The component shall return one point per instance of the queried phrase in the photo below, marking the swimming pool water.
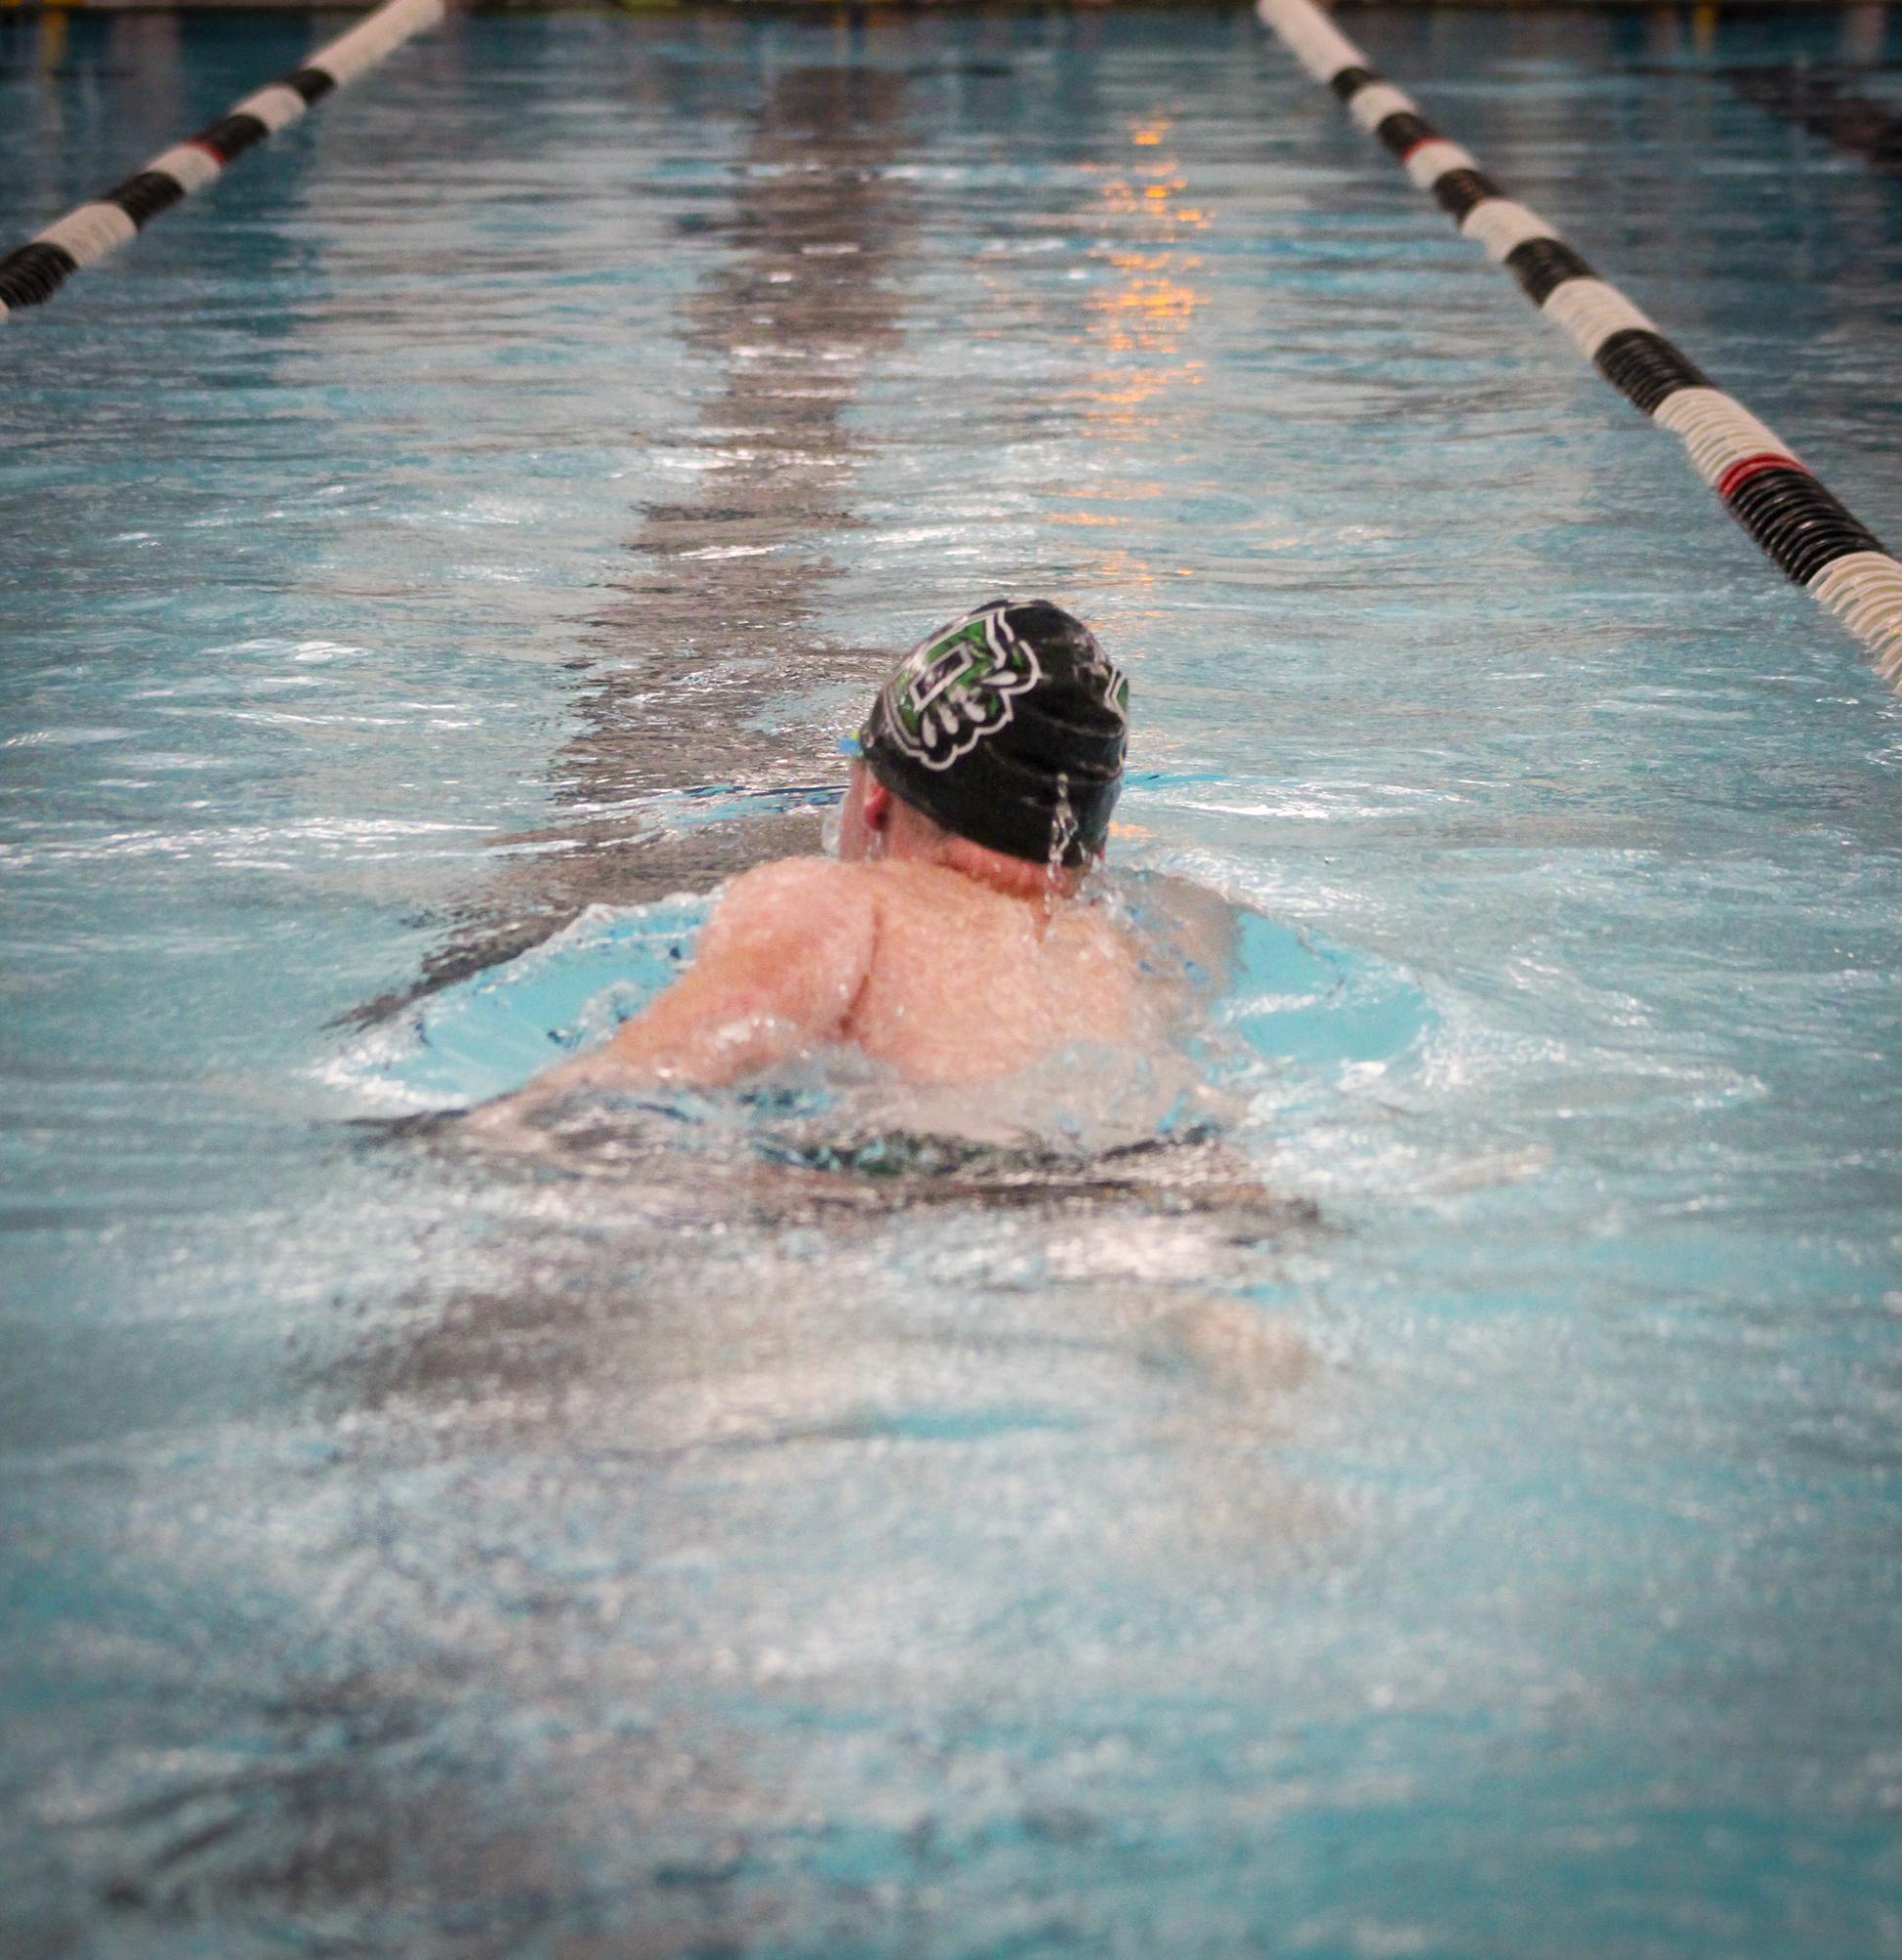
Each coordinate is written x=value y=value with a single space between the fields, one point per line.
x=492 y=500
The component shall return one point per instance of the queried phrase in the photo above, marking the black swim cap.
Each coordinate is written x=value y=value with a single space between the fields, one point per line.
x=1007 y=727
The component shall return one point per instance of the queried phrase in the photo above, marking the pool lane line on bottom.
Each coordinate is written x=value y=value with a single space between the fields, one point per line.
x=1763 y=484
x=31 y=273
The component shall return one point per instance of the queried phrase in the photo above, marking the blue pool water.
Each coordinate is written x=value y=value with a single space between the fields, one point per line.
x=478 y=518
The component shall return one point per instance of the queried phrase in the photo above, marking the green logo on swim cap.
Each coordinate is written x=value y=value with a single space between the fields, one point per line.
x=952 y=691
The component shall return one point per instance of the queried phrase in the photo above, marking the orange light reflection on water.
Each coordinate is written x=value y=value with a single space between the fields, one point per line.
x=1139 y=322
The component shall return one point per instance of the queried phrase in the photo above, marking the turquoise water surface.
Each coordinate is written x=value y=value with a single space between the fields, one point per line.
x=469 y=527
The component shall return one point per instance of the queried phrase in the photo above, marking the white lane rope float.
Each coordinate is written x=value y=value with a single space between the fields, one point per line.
x=1764 y=486
x=34 y=271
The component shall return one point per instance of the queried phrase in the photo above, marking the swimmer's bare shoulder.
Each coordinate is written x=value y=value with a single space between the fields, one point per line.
x=780 y=962
x=779 y=965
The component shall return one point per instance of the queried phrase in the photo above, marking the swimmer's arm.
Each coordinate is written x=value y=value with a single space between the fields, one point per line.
x=778 y=969
x=781 y=963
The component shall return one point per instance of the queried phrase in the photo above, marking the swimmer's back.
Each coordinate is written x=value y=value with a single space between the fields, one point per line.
x=943 y=978
x=966 y=983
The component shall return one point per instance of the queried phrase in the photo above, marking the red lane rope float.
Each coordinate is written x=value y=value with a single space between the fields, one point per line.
x=1775 y=497
x=34 y=271
x=1740 y=473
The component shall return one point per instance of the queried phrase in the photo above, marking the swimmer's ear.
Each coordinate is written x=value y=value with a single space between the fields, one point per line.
x=877 y=805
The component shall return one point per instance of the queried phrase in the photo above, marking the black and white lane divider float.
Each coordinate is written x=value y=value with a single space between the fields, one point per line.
x=1772 y=494
x=37 y=269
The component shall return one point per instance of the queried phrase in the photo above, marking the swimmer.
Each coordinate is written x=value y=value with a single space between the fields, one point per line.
x=948 y=940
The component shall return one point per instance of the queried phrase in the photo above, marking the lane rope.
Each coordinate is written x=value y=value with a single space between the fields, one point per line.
x=31 y=273
x=1763 y=484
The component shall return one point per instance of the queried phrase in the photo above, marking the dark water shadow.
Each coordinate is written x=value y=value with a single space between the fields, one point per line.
x=712 y=623
x=1825 y=102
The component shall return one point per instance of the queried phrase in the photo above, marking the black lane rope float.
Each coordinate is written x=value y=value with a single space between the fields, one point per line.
x=34 y=271
x=1764 y=486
